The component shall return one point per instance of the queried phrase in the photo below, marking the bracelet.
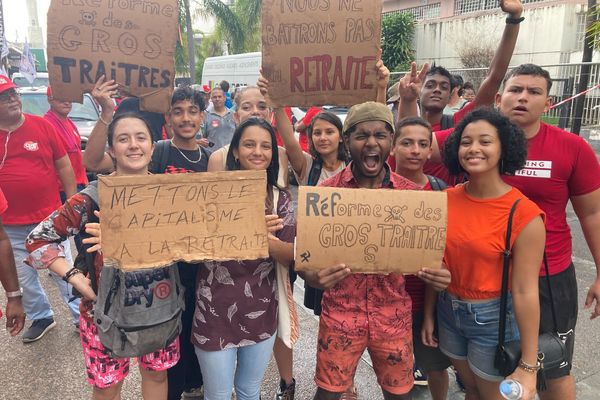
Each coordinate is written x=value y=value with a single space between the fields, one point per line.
x=514 y=21
x=103 y=121
x=16 y=293
x=532 y=369
x=70 y=274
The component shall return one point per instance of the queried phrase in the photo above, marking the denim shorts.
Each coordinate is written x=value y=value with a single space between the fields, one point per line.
x=469 y=331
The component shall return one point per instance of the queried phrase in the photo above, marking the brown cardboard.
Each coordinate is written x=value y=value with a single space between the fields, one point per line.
x=320 y=52
x=126 y=40
x=371 y=231
x=152 y=220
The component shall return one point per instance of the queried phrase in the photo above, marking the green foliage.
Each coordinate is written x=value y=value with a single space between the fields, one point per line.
x=397 y=32
x=593 y=30
x=237 y=25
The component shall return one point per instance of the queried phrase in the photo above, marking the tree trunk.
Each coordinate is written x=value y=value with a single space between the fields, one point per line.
x=190 y=41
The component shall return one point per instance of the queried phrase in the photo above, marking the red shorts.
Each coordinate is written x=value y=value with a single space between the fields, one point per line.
x=104 y=371
x=338 y=355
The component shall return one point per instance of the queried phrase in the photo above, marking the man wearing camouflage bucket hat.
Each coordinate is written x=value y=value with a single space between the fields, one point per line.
x=379 y=317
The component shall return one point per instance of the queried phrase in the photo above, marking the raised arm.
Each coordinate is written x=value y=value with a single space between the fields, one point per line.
x=489 y=87
x=383 y=78
x=409 y=88
x=94 y=157
x=286 y=131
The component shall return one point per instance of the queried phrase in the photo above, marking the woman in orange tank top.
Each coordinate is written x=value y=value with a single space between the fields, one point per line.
x=486 y=145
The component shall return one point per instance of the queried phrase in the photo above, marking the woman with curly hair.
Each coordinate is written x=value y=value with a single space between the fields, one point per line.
x=486 y=145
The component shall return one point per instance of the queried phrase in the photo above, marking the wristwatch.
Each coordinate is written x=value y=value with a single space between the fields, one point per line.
x=16 y=293
x=514 y=21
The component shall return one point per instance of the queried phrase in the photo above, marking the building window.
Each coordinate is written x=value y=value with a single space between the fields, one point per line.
x=580 y=30
x=469 y=6
x=428 y=11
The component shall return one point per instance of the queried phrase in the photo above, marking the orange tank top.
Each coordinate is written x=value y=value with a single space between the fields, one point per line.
x=475 y=240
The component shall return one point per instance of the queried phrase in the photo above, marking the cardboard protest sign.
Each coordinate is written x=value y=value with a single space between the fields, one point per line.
x=153 y=220
x=371 y=231
x=320 y=52
x=129 y=41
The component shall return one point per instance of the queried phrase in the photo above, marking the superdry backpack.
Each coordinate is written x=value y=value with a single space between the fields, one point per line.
x=137 y=312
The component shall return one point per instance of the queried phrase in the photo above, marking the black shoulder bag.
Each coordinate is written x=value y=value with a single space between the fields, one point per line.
x=552 y=351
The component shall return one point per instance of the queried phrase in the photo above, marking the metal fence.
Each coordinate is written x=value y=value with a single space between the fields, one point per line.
x=565 y=78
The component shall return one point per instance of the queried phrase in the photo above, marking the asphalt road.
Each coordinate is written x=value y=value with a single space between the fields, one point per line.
x=53 y=367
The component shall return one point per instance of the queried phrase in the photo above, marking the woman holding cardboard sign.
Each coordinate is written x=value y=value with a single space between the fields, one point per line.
x=130 y=146
x=235 y=321
x=486 y=145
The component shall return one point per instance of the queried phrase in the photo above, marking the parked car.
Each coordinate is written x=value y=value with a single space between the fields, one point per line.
x=41 y=79
x=85 y=115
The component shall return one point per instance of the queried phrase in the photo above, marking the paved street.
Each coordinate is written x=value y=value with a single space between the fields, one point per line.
x=52 y=368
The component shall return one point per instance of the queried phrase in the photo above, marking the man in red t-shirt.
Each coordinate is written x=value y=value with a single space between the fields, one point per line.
x=15 y=316
x=560 y=167
x=31 y=158
x=58 y=117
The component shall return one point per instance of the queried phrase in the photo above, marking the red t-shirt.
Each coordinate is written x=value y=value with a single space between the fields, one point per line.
x=28 y=176
x=439 y=169
x=68 y=133
x=559 y=165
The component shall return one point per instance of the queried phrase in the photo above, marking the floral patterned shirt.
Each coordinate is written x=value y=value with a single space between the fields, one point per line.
x=373 y=305
x=236 y=303
x=44 y=241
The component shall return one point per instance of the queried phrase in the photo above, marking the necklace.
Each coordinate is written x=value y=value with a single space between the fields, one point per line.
x=184 y=156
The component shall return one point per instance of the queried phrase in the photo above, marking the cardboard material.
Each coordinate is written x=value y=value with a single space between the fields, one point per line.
x=320 y=52
x=371 y=231
x=153 y=220
x=126 y=40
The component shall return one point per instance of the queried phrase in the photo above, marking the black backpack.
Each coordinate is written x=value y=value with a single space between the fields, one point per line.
x=447 y=122
x=436 y=183
x=160 y=156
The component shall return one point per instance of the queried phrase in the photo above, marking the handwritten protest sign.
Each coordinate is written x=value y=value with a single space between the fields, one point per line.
x=319 y=52
x=372 y=231
x=129 y=41
x=149 y=221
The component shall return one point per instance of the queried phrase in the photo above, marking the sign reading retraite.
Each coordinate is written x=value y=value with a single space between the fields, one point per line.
x=129 y=41
x=371 y=231
x=320 y=52
x=152 y=220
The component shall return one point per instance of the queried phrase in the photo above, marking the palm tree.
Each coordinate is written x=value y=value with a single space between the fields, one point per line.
x=238 y=25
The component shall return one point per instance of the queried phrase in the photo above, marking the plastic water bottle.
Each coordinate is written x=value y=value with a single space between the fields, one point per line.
x=511 y=389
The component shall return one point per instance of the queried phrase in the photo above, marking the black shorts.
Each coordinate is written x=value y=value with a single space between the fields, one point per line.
x=564 y=292
x=427 y=358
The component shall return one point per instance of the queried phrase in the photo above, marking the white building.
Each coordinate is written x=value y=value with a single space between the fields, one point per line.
x=552 y=33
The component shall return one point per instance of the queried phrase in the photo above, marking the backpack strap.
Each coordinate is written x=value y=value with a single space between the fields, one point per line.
x=315 y=172
x=91 y=191
x=447 y=122
x=436 y=183
x=160 y=156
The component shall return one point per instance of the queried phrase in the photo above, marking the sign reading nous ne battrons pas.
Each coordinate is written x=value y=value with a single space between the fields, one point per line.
x=320 y=52
x=129 y=41
x=370 y=230
x=152 y=220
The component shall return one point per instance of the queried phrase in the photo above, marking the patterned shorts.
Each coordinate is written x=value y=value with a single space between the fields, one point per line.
x=338 y=355
x=104 y=371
